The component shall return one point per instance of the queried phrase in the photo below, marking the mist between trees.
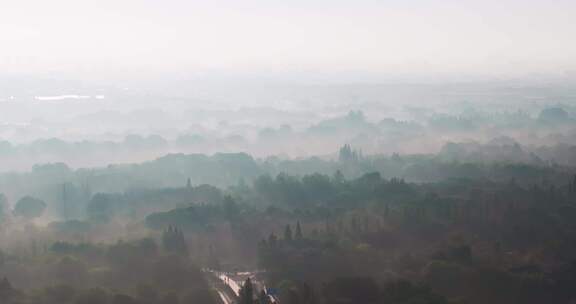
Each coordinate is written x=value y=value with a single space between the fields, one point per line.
x=355 y=229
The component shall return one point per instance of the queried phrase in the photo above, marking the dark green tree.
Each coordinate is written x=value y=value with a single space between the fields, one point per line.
x=173 y=241
x=101 y=207
x=247 y=293
x=288 y=234
x=3 y=208
x=572 y=185
x=29 y=207
x=298 y=236
x=7 y=292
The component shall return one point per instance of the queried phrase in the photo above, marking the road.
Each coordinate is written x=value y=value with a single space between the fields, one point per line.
x=228 y=285
x=225 y=298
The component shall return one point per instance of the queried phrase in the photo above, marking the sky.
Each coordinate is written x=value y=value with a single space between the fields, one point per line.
x=414 y=37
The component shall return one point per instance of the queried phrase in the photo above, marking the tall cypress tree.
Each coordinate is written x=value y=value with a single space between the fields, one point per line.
x=246 y=293
x=288 y=233
x=298 y=235
x=173 y=241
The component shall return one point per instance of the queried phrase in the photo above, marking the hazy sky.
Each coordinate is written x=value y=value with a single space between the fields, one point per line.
x=388 y=36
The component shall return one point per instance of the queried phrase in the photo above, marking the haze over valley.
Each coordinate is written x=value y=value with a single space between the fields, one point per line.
x=302 y=152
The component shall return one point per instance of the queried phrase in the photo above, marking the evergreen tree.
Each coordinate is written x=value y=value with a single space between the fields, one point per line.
x=288 y=233
x=5 y=285
x=298 y=236
x=246 y=293
x=173 y=241
x=7 y=292
x=347 y=154
x=3 y=208
x=572 y=185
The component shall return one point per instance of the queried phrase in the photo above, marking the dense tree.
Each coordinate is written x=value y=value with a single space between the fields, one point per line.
x=298 y=236
x=473 y=231
x=29 y=207
x=173 y=241
x=4 y=209
x=101 y=207
x=7 y=292
x=288 y=234
x=347 y=154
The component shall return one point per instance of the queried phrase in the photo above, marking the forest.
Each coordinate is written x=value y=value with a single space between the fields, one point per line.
x=354 y=229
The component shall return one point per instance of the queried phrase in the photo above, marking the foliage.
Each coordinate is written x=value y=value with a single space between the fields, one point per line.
x=29 y=207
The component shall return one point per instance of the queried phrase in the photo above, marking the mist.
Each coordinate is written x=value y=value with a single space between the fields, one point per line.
x=310 y=152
